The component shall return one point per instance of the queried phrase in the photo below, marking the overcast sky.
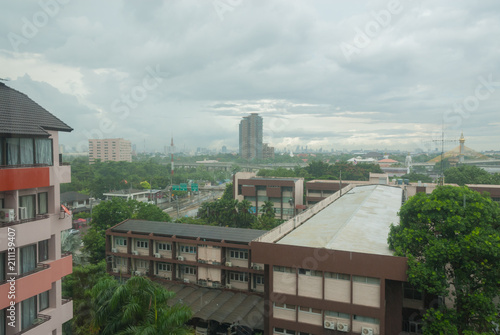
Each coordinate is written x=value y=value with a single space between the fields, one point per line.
x=330 y=74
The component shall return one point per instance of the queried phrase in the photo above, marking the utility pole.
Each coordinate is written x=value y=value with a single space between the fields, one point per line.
x=442 y=140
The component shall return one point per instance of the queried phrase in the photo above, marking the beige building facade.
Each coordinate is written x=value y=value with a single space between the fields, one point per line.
x=110 y=149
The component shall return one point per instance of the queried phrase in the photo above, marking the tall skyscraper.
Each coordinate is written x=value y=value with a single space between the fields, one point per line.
x=251 y=137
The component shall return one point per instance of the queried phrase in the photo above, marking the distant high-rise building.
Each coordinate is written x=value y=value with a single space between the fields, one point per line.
x=114 y=149
x=251 y=137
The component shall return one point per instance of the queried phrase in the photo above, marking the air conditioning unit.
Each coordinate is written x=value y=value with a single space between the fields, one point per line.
x=343 y=327
x=157 y=255
x=7 y=214
x=135 y=252
x=256 y=267
x=23 y=213
x=115 y=270
x=180 y=258
x=167 y=278
x=228 y=286
x=229 y=264
x=138 y=273
x=329 y=324
x=366 y=331
x=114 y=250
x=186 y=280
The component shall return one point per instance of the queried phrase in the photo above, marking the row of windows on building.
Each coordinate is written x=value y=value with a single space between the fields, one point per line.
x=25 y=151
x=160 y=246
x=327 y=313
x=332 y=275
x=31 y=205
x=29 y=310
x=189 y=270
x=29 y=255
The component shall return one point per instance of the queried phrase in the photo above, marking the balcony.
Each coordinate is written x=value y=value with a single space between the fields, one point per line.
x=40 y=319
x=24 y=177
x=13 y=223
x=37 y=281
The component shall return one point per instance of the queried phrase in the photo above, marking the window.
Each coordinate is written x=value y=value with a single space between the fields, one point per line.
x=43 y=250
x=242 y=254
x=120 y=261
x=339 y=276
x=164 y=267
x=190 y=270
x=28 y=258
x=43 y=300
x=337 y=315
x=285 y=306
x=2 y=318
x=284 y=331
x=43 y=148
x=310 y=273
x=366 y=319
x=310 y=310
x=141 y=264
x=2 y=267
x=28 y=312
x=120 y=241
x=188 y=249
x=283 y=269
x=26 y=151
x=144 y=244
x=238 y=276
x=366 y=280
x=259 y=280
x=163 y=247
x=411 y=293
x=43 y=203
x=27 y=207
x=12 y=146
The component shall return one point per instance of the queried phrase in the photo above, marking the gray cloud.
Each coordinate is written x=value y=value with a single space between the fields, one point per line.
x=279 y=58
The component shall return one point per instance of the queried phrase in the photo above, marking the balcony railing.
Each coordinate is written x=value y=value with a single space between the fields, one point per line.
x=40 y=318
x=39 y=267
x=16 y=222
x=24 y=166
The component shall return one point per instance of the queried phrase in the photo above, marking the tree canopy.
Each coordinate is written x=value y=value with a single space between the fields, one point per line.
x=111 y=212
x=138 y=306
x=452 y=240
x=470 y=174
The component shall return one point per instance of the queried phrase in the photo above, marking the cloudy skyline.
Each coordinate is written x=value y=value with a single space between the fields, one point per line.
x=331 y=74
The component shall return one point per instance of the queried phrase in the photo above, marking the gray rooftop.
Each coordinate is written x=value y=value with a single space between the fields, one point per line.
x=189 y=230
x=19 y=115
x=73 y=196
x=358 y=221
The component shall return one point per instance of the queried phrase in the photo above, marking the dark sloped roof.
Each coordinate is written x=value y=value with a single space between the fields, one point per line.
x=222 y=306
x=19 y=115
x=188 y=230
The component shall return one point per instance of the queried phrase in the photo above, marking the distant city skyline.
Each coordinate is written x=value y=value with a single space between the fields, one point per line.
x=330 y=74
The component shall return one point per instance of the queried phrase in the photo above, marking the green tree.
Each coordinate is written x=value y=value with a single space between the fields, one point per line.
x=138 y=306
x=415 y=177
x=111 y=212
x=468 y=174
x=452 y=240
x=245 y=218
x=228 y=192
x=77 y=285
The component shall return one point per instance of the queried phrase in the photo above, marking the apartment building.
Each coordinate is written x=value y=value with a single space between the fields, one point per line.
x=209 y=263
x=110 y=149
x=330 y=269
x=31 y=221
x=286 y=194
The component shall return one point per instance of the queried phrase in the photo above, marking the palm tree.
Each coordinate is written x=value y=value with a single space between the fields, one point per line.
x=138 y=306
x=245 y=218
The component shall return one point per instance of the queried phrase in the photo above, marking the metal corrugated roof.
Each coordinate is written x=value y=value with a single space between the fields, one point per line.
x=189 y=230
x=221 y=306
x=19 y=115
x=223 y=311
